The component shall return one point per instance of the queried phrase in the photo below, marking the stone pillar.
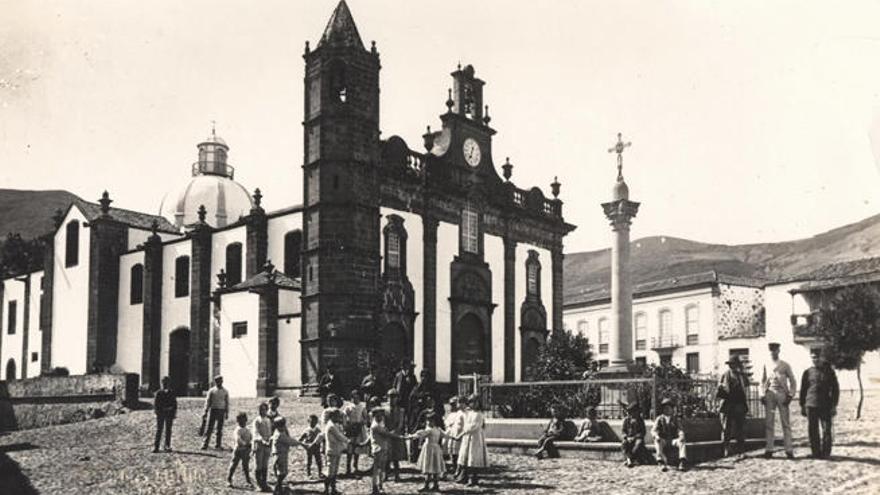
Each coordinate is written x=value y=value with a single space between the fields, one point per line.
x=429 y=291
x=108 y=239
x=509 y=310
x=620 y=213
x=557 y=259
x=46 y=302
x=257 y=248
x=152 y=313
x=200 y=306
x=267 y=342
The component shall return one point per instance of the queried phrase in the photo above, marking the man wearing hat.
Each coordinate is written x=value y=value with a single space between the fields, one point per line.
x=779 y=389
x=404 y=383
x=633 y=444
x=819 y=395
x=329 y=384
x=669 y=437
x=731 y=392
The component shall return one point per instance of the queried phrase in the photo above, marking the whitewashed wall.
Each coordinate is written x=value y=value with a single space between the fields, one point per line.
x=277 y=228
x=238 y=356
x=175 y=310
x=13 y=290
x=493 y=253
x=415 y=270
x=130 y=322
x=289 y=351
x=70 y=299
x=447 y=248
x=219 y=242
x=35 y=333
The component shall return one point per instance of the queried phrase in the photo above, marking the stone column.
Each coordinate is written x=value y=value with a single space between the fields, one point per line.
x=46 y=301
x=267 y=341
x=509 y=310
x=620 y=213
x=152 y=312
x=429 y=291
x=257 y=247
x=200 y=305
x=557 y=259
x=108 y=239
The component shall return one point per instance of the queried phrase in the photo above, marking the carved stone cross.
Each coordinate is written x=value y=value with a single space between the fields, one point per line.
x=618 y=148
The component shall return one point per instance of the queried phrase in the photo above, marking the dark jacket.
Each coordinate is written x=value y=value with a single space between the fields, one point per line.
x=732 y=389
x=819 y=388
x=330 y=384
x=165 y=403
x=404 y=383
x=634 y=427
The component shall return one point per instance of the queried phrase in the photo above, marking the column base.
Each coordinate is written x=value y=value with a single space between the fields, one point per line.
x=619 y=369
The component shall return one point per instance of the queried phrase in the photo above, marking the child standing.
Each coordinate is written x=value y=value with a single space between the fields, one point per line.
x=312 y=439
x=262 y=446
x=589 y=430
x=273 y=413
x=281 y=443
x=633 y=444
x=669 y=438
x=454 y=422
x=431 y=457
x=242 y=451
x=552 y=433
x=334 y=444
x=396 y=423
x=356 y=420
x=380 y=447
x=472 y=454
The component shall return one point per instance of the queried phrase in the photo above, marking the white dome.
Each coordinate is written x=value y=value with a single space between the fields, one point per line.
x=225 y=201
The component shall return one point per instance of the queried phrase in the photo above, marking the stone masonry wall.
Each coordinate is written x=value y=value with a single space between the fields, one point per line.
x=739 y=312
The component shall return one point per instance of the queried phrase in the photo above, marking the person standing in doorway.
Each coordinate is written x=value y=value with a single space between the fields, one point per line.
x=732 y=389
x=820 y=393
x=329 y=384
x=165 y=406
x=217 y=410
x=778 y=392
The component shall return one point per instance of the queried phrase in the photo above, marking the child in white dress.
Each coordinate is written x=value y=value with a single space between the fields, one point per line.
x=431 y=457
x=472 y=455
x=454 y=422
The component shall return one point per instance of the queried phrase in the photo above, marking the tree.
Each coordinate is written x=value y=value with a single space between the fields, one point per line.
x=850 y=327
x=18 y=256
x=565 y=356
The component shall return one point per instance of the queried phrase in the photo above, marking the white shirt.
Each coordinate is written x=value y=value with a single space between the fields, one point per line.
x=781 y=380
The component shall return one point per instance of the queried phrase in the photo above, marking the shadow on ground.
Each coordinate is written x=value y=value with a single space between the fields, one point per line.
x=12 y=479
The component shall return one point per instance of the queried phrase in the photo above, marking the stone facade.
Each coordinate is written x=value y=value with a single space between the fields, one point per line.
x=739 y=312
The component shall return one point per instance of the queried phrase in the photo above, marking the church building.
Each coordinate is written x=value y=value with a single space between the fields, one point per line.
x=389 y=253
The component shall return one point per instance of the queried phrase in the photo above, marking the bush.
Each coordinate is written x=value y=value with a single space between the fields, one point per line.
x=58 y=371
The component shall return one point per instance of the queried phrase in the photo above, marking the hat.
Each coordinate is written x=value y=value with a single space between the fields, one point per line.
x=816 y=351
x=734 y=360
x=393 y=391
x=279 y=421
x=773 y=346
x=667 y=402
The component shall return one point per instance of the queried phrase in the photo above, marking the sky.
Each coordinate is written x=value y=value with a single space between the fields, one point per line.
x=751 y=121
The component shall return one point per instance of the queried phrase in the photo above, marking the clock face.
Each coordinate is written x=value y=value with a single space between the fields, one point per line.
x=471 y=151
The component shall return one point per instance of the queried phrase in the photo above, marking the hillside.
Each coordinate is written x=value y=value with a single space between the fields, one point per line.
x=655 y=258
x=29 y=213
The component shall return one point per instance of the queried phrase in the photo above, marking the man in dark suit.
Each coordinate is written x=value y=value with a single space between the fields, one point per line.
x=329 y=384
x=733 y=392
x=165 y=407
x=820 y=393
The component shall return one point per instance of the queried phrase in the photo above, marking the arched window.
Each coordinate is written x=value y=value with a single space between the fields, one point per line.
x=692 y=324
x=603 y=335
x=641 y=331
x=71 y=247
x=664 y=328
x=583 y=327
x=533 y=275
x=470 y=230
x=181 y=276
x=233 y=264
x=292 y=253
x=136 y=289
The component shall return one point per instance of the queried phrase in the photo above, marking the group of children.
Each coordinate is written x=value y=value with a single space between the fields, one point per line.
x=355 y=428
x=666 y=431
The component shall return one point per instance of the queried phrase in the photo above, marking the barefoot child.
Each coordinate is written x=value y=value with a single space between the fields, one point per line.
x=242 y=451
x=281 y=444
x=431 y=457
x=312 y=439
x=335 y=443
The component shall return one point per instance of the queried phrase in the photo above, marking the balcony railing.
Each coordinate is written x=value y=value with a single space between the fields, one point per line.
x=665 y=342
x=804 y=327
x=213 y=168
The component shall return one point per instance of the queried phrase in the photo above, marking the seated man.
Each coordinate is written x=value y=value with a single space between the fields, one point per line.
x=552 y=433
x=589 y=430
x=669 y=438
x=633 y=444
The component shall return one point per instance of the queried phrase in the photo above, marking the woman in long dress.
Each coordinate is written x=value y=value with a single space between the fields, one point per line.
x=472 y=455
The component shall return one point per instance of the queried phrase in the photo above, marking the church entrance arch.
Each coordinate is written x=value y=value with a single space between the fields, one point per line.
x=10 y=370
x=178 y=360
x=469 y=347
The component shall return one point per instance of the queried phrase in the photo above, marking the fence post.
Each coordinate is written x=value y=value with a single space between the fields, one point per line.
x=654 y=396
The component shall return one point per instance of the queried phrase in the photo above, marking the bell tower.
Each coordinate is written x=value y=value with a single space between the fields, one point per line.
x=340 y=262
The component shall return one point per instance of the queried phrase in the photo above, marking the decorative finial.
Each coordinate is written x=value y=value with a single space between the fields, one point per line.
x=449 y=102
x=554 y=187
x=202 y=213
x=154 y=227
x=221 y=279
x=618 y=148
x=269 y=268
x=459 y=65
x=486 y=118
x=258 y=197
x=214 y=128
x=373 y=47
x=508 y=169
x=308 y=48
x=105 y=203
x=429 y=139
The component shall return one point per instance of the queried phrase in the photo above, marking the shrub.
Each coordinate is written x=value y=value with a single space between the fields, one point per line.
x=58 y=371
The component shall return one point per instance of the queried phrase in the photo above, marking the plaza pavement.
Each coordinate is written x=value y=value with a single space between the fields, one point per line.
x=113 y=455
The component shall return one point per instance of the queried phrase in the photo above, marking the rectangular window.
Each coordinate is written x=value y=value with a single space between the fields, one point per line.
x=603 y=336
x=136 y=289
x=532 y=279
x=743 y=356
x=34 y=357
x=71 y=248
x=393 y=250
x=181 y=276
x=239 y=329
x=11 y=318
x=693 y=363
x=641 y=331
x=664 y=330
x=470 y=241
x=692 y=325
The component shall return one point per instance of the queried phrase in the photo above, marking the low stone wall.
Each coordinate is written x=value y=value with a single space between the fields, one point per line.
x=49 y=400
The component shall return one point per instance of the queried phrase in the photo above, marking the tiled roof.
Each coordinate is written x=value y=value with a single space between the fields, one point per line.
x=262 y=279
x=841 y=274
x=603 y=293
x=131 y=218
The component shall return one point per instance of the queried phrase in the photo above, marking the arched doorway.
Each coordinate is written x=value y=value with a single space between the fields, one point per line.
x=469 y=347
x=10 y=370
x=178 y=360
x=529 y=355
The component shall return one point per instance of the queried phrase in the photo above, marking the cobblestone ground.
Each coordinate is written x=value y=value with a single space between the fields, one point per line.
x=112 y=455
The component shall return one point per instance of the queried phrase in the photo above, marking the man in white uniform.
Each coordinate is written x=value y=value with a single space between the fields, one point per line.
x=779 y=390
